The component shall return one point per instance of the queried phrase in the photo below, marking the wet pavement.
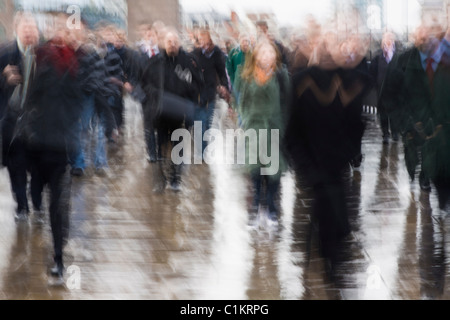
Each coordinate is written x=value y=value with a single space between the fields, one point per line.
x=129 y=242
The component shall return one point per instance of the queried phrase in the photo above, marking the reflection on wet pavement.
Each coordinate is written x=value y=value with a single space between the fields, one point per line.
x=128 y=242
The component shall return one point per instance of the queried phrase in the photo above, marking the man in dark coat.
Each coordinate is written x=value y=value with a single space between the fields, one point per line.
x=172 y=74
x=410 y=85
x=16 y=73
x=149 y=49
x=378 y=69
x=213 y=64
x=436 y=148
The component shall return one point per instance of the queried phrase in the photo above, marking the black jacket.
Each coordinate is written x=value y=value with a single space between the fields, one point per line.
x=94 y=80
x=180 y=75
x=214 y=73
x=53 y=104
x=322 y=126
x=9 y=55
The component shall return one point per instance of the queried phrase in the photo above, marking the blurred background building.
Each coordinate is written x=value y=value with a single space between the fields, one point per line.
x=368 y=17
x=125 y=14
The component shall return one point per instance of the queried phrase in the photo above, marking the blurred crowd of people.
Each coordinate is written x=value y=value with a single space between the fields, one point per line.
x=62 y=100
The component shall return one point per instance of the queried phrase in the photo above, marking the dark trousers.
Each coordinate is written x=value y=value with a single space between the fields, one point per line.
x=118 y=109
x=149 y=130
x=51 y=170
x=388 y=125
x=15 y=159
x=164 y=129
x=442 y=185
x=265 y=187
x=330 y=213
x=17 y=164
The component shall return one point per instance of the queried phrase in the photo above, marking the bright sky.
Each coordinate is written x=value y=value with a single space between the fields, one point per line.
x=287 y=11
x=293 y=11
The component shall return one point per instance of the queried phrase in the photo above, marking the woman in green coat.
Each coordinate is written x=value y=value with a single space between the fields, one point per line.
x=262 y=90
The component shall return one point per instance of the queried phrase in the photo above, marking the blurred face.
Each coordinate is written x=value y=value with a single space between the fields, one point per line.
x=153 y=37
x=172 y=44
x=266 y=56
x=263 y=30
x=62 y=34
x=426 y=41
x=108 y=35
x=27 y=31
x=143 y=32
x=204 y=41
x=245 y=44
x=79 y=36
x=119 y=40
x=388 y=43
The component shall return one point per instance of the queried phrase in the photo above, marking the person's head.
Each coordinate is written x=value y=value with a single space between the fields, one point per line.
x=265 y=56
x=158 y=33
x=143 y=31
x=262 y=27
x=80 y=35
x=120 y=39
x=61 y=33
x=427 y=38
x=205 y=40
x=388 y=41
x=26 y=29
x=108 y=33
x=244 y=42
x=172 y=43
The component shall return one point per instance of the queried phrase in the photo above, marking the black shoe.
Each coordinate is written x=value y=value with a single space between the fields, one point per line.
x=273 y=218
x=425 y=186
x=101 y=172
x=386 y=140
x=175 y=186
x=77 y=172
x=151 y=159
x=356 y=161
x=395 y=137
x=57 y=270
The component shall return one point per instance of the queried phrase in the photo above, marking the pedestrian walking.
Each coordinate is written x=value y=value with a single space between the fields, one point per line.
x=172 y=82
x=212 y=62
x=51 y=110
x=321 y=135
x=17 y=66
x=264 y=88
x=378 y=68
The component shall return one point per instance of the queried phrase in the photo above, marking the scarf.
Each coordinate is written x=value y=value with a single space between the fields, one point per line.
x=62 y=58
x=262 y=75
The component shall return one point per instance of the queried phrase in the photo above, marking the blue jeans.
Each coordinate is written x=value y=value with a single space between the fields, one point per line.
x=205 y=115
x=77 y=141
x=100 y=157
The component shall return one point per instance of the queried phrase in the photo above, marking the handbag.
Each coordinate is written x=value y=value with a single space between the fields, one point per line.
x=175 y=108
